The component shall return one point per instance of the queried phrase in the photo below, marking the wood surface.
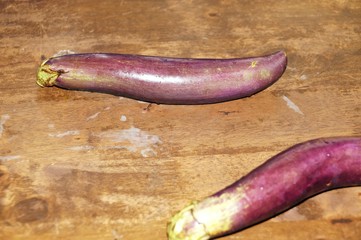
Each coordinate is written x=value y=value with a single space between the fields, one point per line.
x=80 y=165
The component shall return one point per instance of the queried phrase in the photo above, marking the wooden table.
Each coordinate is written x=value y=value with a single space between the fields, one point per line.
x=80 y=165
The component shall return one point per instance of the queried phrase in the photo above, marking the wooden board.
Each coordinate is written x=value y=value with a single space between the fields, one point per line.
x=79 y=165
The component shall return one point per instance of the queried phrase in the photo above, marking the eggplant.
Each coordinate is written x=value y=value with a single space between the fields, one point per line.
x=280 y=183
x=163 y=80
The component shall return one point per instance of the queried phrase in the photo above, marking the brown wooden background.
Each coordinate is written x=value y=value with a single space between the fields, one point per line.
x=79 y=165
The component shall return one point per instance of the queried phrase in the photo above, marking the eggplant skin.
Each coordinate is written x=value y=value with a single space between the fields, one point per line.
x=163 y=80
x=283 y=181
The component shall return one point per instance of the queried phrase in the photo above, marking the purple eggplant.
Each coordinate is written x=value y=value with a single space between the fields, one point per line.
x=161 y=79
x=281 y=182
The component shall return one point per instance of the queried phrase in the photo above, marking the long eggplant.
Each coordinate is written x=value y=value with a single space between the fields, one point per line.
x=281 y=182
x=161 y=79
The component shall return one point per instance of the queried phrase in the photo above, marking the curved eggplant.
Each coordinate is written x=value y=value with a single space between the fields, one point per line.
x=161 y=79
x=281 y=182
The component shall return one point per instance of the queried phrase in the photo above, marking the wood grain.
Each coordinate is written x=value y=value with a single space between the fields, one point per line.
x=78 y=165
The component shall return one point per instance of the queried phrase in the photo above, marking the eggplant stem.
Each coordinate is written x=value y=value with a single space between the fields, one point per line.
x=185 y=219
x=46 y=76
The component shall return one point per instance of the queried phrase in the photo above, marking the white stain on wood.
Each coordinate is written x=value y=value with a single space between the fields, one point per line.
x=116 y=235
x=303 y=77
x=63 y=134
x=63 y=52
x=148 y=152
x=81 y=148
x=3 y=119
x=292 y=105
x=123 y=118
x=132 y=139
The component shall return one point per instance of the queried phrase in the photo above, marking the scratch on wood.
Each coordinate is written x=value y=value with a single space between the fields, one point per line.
x=9 y=158
x=95 y=115
x=227 y=112
x=341 y=220
x=147 y=108
x=292 y=105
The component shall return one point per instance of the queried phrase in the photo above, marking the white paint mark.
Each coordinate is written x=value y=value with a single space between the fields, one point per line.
x=303 y=77
x=116 y=235
x=95 y=115
x=9 y=158
x=107 y=108
x=123 y=118
x=129 y=148
x=3 y=119
x=291 y=68
x=292 y=105
x=63 y=134
x=148 y=152
x=81 y=148
x=132 y=139
x=63 y=52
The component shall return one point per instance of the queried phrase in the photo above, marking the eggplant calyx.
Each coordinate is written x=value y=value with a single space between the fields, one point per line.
x=184 y=226
x=46 y=76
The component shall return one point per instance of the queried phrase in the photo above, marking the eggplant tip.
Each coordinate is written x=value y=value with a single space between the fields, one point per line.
x=46 y=76
x=184 y=226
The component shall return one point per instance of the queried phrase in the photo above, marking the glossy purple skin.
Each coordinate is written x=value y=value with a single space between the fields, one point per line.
x=296 y=174
x=168 y=80
x=283 y=181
